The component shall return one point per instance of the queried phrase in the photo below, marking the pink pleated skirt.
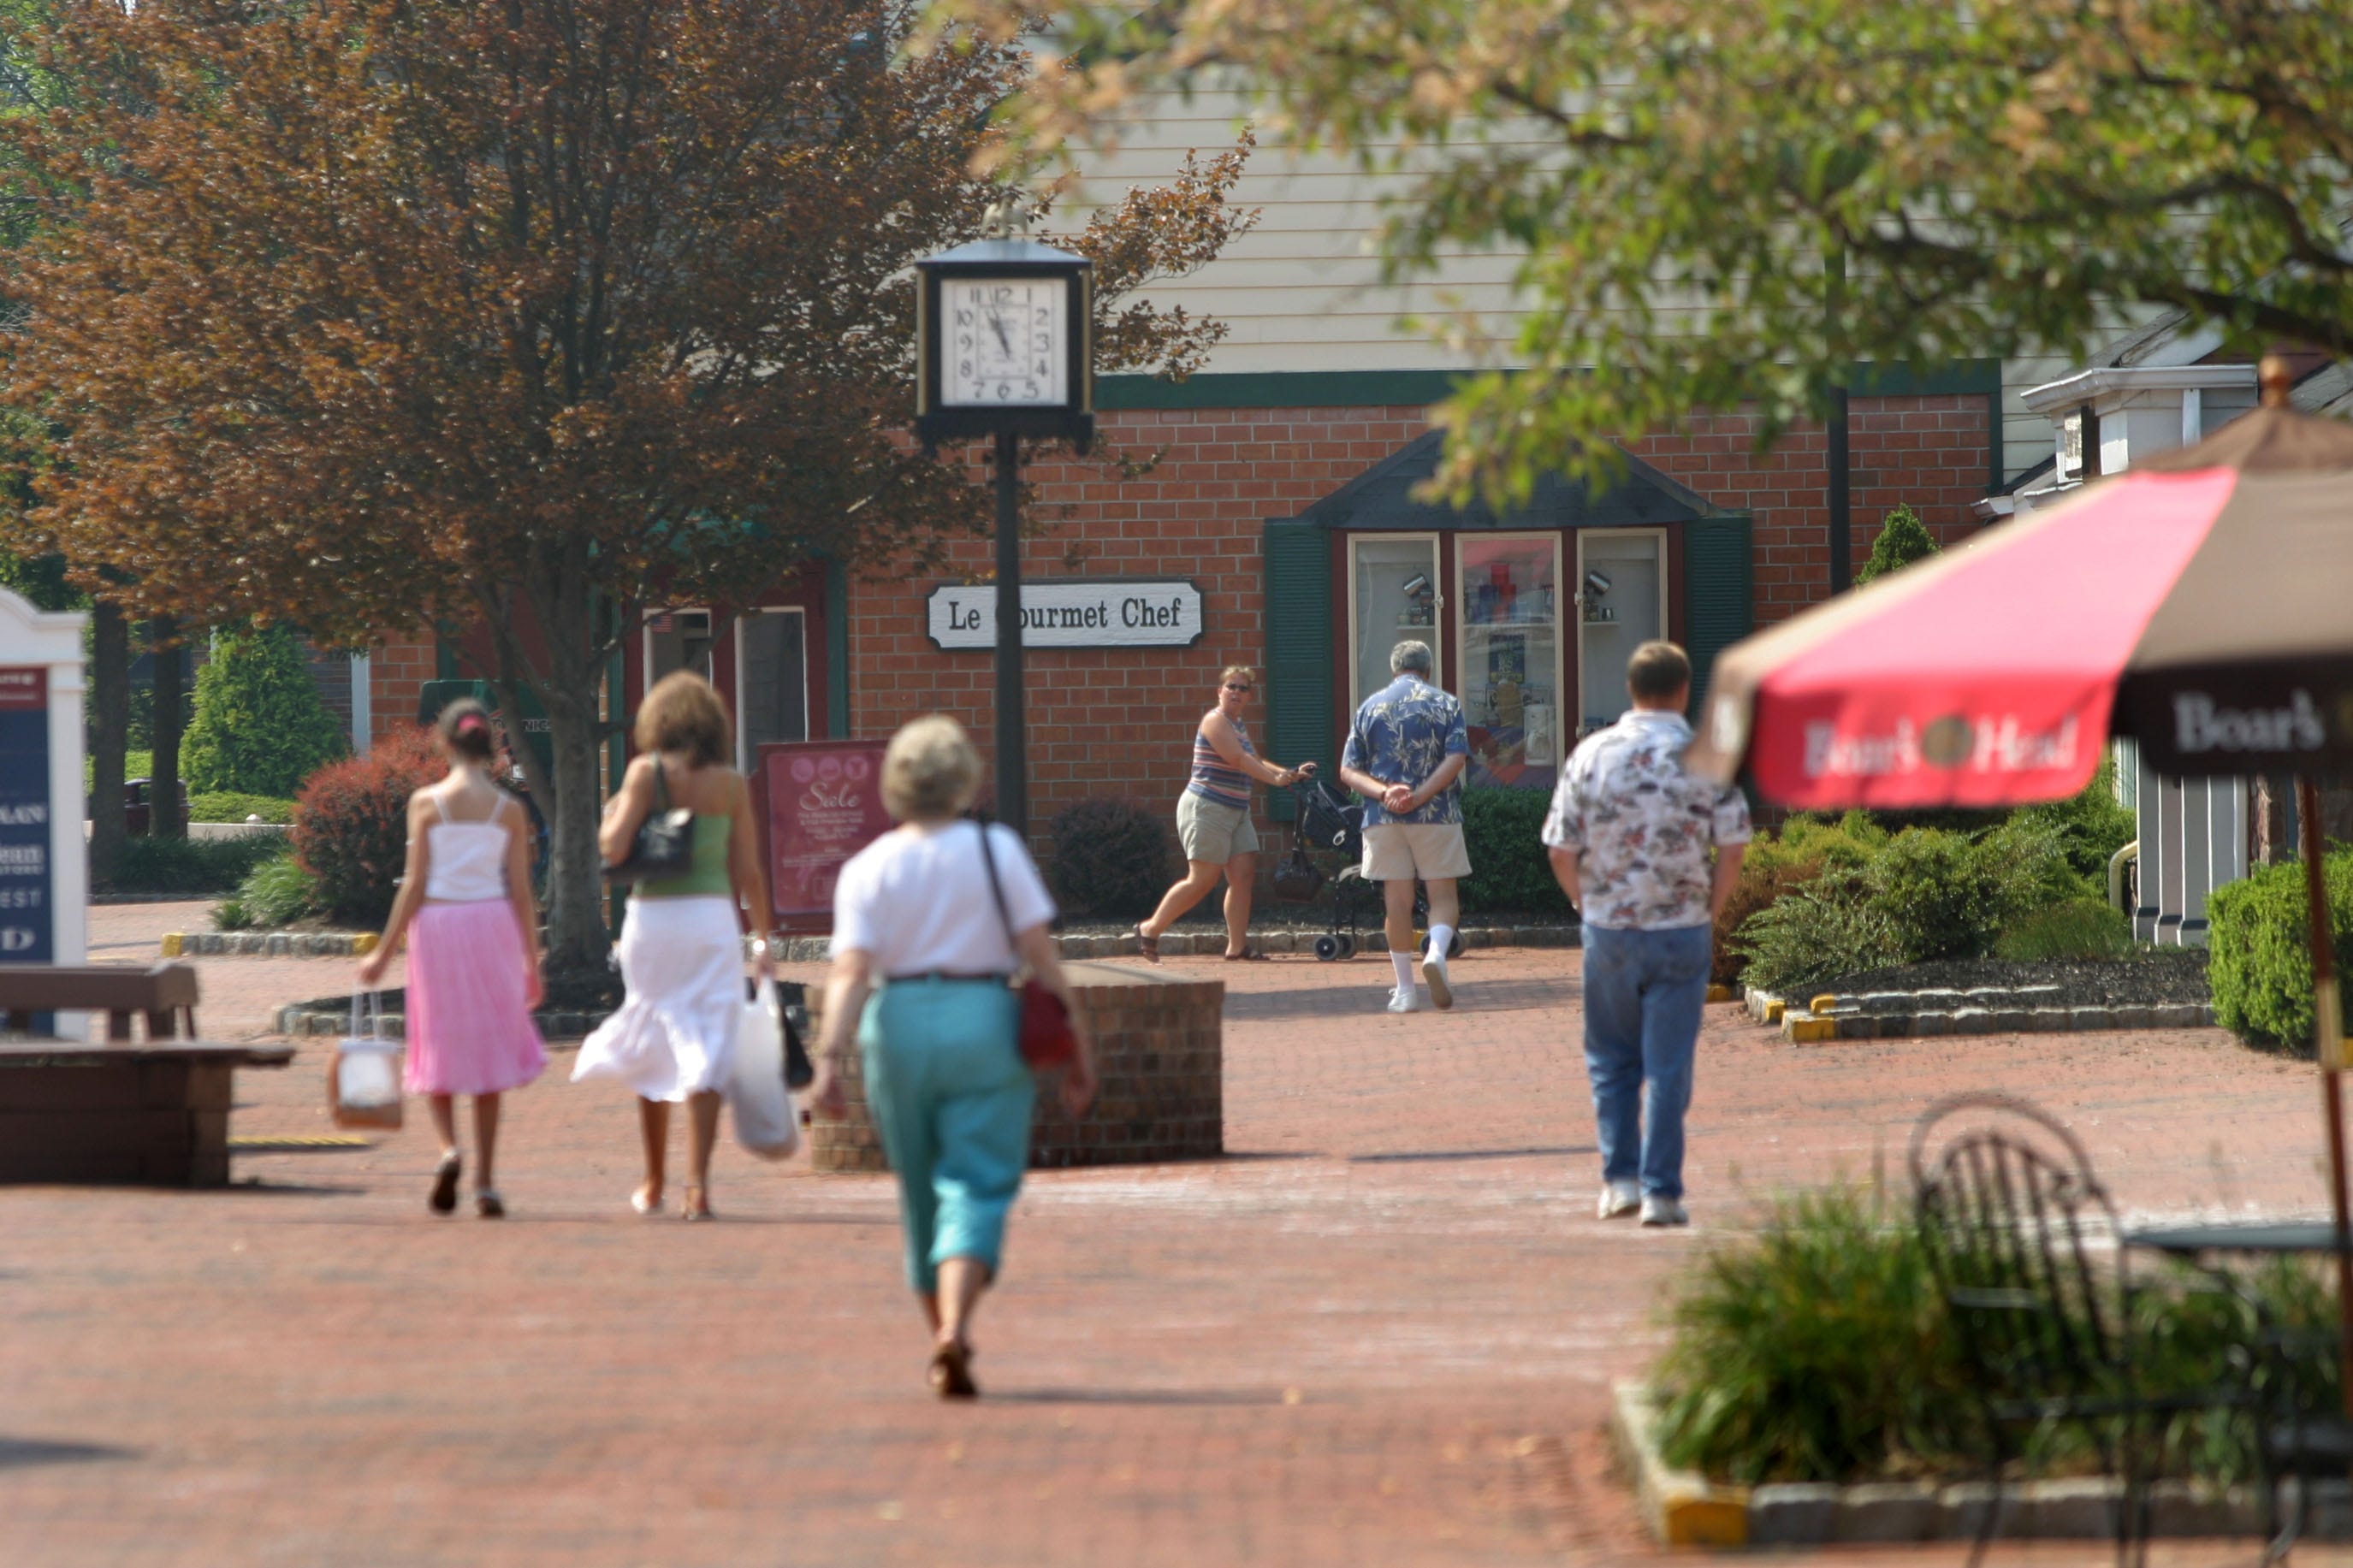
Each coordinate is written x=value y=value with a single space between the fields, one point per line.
x=469 y=1028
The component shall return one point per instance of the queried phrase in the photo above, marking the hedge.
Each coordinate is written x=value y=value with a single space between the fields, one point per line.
x=189 y=865
x=351 y=823
x=227 y=805
x=2260 y=949
x=1112 y=858
x=1510 y=871
x=259 y=725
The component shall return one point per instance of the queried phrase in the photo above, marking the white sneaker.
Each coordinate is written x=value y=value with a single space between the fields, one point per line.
x=1401 y=1000
x=1659 y=1211
x=1619 y=1199
x=1433 y=972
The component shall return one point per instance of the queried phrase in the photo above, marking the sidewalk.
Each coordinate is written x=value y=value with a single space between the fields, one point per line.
x=1380 y=1332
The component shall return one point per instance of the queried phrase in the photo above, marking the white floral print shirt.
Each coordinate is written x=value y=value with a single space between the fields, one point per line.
x=1642 y=826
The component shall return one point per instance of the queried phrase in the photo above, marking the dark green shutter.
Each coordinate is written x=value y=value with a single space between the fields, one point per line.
x=1719 y=608
x=1299 y=638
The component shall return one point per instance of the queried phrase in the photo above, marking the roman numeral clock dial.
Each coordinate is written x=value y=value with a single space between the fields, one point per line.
x=1007 y=343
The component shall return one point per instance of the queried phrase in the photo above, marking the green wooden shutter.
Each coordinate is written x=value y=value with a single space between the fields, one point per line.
x=1299 y=638
x=1719 y=606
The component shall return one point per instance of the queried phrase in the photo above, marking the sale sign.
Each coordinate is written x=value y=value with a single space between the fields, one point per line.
x=824 y=804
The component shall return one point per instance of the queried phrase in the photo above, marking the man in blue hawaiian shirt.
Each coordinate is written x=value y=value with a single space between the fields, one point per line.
x=1405 y=755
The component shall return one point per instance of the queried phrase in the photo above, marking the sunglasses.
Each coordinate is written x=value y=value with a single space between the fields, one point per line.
x=1237 y=686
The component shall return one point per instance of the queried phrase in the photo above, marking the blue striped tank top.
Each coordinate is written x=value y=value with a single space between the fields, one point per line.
x=1214 y=778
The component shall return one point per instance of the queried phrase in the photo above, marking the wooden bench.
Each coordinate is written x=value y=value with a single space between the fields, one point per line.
x=154 y=1113
x=165 y=994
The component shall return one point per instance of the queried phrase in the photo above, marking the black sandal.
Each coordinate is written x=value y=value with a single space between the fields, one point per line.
x=1249 y=955
x=950 y=1374
x=444 y=1196
x=1149 y=945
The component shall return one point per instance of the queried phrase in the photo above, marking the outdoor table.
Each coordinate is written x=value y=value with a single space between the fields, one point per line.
x=2294 y=1235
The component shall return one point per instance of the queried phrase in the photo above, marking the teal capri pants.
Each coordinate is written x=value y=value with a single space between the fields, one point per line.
x=952 y=1097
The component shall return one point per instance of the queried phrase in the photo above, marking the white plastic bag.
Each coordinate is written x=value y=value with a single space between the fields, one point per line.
x=363 y=1078
x=766 y=1122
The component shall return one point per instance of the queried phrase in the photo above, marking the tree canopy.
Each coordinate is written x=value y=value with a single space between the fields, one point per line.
x=1681 y=180
x=532 y=314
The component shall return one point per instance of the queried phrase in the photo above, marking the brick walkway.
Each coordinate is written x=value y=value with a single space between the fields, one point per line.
x=1381 y=1333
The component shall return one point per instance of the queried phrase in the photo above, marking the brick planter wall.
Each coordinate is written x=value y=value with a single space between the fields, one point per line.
x=1161 y=1064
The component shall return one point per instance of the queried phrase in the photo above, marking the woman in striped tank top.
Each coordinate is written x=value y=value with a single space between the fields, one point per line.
x=1213 y=819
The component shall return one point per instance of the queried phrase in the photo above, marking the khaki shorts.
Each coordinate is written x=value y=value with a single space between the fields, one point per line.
x=1211 y=832
x=1432 y=851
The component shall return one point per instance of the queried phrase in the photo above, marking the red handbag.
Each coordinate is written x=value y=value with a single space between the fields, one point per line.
x=1046 y=1039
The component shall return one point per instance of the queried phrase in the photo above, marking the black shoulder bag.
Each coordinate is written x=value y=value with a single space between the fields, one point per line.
x=664 y=846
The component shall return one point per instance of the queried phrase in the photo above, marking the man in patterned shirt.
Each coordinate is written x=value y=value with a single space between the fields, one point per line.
x=1630 y=833
x=1405 y=753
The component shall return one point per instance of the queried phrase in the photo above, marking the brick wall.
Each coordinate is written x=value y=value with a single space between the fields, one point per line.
x=1120 y=721
x=397 y=671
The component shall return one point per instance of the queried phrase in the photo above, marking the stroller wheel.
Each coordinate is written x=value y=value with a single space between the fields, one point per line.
x=1327 y=947
x=1347 y=945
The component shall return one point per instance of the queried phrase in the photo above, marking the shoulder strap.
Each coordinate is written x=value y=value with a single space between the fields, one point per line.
x=661 y=785
x=997 y=889
x=500 y=810
x=439 y=810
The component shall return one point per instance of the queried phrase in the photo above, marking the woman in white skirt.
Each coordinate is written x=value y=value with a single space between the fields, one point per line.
x=682 y=941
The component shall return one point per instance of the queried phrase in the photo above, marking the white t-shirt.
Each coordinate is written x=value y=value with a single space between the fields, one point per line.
x=920 y=901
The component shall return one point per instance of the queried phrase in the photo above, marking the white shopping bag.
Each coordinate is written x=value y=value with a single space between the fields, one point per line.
x=766 y=1122
x=363 y=1076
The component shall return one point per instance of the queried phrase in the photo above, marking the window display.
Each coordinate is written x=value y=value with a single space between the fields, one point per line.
x=1621 y=605
x=1511 y=658
x=1396 y=581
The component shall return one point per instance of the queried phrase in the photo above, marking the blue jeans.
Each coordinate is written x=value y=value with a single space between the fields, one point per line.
x=1643 y=994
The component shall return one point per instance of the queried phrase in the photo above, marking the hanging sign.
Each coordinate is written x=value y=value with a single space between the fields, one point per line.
x=27 y=896
x=1065 y=612
x=824 y=804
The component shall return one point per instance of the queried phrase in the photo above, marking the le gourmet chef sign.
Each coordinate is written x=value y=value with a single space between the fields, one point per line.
x=1073 y=613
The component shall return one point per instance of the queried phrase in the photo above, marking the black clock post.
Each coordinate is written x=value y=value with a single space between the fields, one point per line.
x=1004 y=348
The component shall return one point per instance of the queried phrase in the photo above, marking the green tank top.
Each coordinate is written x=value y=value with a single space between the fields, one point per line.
x=706 y=874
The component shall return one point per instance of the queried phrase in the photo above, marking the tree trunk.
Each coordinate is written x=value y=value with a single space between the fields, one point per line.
x=109 y=709
x=167 y=821
x=577 y=943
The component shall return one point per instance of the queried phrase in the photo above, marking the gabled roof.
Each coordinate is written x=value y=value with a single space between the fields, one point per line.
x=1381 y=498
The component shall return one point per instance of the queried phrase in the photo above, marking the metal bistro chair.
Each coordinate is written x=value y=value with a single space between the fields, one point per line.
x=2010 y=1215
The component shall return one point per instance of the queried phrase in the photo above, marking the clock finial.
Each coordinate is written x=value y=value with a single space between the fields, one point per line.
x=1005 y=217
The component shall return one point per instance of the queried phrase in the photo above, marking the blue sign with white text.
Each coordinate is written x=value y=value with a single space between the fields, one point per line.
x=27 y=894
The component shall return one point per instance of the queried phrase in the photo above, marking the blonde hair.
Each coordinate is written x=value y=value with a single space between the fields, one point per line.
x=929 y=770
x=683 y=713
x=1245 y=671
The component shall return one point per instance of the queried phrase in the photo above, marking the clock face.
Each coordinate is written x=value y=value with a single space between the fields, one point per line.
x=1005 y=345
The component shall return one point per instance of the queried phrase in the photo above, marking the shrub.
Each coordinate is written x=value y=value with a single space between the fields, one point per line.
x=259 y=726
x=1948 y=896
x=278 y=892
x=1112 y=858
x=226 y=806
x=2091 y=826
x=1775 y=865
x=187 y=864
x=1510 y=869
x=1826 y=928
x=351 y=828
x=1903 y=539
x=2261 y=962
x=2078 y=928
x=1818 y=1350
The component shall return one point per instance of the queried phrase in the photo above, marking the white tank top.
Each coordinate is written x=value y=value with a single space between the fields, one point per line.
x=469 y=858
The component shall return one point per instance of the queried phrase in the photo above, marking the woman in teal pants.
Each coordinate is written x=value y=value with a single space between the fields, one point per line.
x=930 y=922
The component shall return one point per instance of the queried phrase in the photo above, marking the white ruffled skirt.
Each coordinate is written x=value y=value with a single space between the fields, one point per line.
x=682 y=963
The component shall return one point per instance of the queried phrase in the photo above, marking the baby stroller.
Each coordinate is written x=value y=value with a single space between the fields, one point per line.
x=1330 y=825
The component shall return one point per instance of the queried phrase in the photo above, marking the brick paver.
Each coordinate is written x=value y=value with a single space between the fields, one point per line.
x=1381 y=1331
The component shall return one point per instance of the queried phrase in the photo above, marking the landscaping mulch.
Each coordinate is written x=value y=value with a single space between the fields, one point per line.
x=2149 y=978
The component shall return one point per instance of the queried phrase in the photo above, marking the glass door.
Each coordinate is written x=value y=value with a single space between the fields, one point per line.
x=1392 y=598
x=1510 y=656
x=676 y=641
x=770 y=679
x=1621 y=600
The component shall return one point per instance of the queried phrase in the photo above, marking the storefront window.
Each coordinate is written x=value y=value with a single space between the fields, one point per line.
x=676 y=641
x=1621 y=606
x=1393 y=580
x=1511 y=657
x=771 y=685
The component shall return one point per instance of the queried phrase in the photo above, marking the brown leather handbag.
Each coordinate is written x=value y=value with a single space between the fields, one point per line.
x=1046 y=1038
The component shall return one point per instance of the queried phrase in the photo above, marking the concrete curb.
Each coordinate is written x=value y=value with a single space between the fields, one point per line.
x=269 y=944
x=1683 y=1507
x=1210 y=943
x=334 y=1022
x=1986 y=1010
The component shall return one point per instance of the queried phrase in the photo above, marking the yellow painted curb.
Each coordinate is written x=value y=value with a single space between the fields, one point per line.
x=363 y=944
x=1722 y=994
x=1774 y=1009
x=173 y=941
x=1804 y=1029
x=1680 y=1506
x=1824 y=1003
x=263 y=1140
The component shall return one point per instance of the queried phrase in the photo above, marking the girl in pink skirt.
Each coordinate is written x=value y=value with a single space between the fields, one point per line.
x=473 y=952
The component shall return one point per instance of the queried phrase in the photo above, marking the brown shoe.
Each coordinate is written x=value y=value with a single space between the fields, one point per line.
x=950 y=1374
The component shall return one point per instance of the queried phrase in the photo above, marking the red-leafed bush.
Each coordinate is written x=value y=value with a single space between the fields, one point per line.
x=351 y=823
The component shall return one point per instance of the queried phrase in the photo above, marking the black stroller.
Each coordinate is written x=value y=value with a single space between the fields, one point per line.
x=1331 y=826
